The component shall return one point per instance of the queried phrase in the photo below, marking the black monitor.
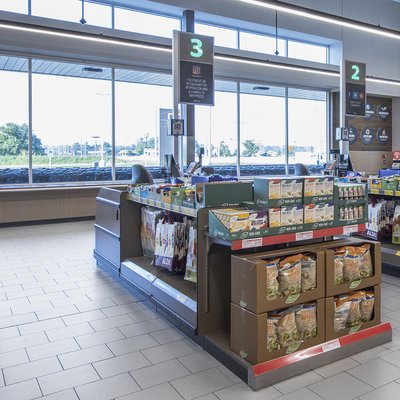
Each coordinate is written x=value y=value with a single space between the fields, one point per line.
x=170 y=166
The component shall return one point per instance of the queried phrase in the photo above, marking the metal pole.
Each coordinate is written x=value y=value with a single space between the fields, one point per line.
x=30 y=119
x=286 y=130
x=187 y=142
x=238 y=129
x=113 y=174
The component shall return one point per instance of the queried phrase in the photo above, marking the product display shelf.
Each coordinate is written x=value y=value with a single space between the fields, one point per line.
x=392 y=193
x=202 y=310
x=191 y=212
x=290 y=237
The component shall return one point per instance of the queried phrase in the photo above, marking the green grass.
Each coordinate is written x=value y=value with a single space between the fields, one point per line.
x=44 y=160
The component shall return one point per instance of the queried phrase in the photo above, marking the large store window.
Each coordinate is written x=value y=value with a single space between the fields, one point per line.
x=216 y=127
x=14 y=121
x=18 y=6
x=262 y=125
x=140 y=22
x=143 y=105
x=222 y=36
x=71 y=10
x=307 y=127
x=307 y=51
x=72 y=119
x=261 y=43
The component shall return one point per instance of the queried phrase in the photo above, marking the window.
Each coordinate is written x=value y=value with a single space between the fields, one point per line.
x=307 y=51
x=14 y=120
x=18 y=6
x=71 y=10
x=134 y=21
x=262 y=125
x=307 y=127
x=72 y=119
x=261 y=43
x=216 y=127
x=143 y=105
x=222 y=36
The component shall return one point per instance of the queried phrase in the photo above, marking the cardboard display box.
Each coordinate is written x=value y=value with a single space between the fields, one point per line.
x=249 y=281
x=276 y=192
x=318 y=189
x=330 y=311
x=249 y=335
x=332 y=289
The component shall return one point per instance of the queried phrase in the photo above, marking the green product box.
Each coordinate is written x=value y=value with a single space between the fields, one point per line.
x=276 y=192
x=318 y=189
x=390 y=184
x=188 y=203
x=177 y=195
x=351 y=220
x=350 y=201
x=223 y=194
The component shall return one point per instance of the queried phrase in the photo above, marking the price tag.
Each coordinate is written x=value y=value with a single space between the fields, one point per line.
x=398 y=253
x=332 y=345
x=350 y=229
x=397 y=193
x=304 y=235
x=388 y=192
x=247 y=243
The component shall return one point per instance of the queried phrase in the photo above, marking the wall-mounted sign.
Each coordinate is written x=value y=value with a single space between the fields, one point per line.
x=383 y=112
x=353 y=134
x=355 y=88
x=367 y=135
x=383 y=134
x=369 y=110
x=193 y=58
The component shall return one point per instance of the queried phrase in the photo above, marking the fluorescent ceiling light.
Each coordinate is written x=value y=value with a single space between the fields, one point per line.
x=385 y=81
x=86 y=37
x=323 y=17
x=277 y=66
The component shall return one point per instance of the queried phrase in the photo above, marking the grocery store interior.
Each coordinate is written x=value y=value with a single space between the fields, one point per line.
x=199 y=200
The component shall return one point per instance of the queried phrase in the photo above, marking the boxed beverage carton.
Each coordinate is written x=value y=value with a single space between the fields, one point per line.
x=275 y=192
x=252 y=281
x=332 y=320
x=274 y=216
x=318 y=189
x=249 y=336
x=291 y=215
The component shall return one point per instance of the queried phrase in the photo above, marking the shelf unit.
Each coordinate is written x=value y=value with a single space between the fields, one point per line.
x=202 y=310
x=392 y=193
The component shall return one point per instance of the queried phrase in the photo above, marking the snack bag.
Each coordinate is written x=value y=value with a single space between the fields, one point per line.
x=339 y=266
x=306 y=320
x=289 y=276
x=191 y=260
x=367 y=306
x=367 y=268
x=355 y=309
x=352 y=264
x=341 y=315
x=272 y=333
x=287 y=328
x=272 y=279
x=308 y=273
x=150 y=217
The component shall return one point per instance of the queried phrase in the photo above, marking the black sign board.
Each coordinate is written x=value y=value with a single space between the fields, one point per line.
x=355 y=88
x=193 y=68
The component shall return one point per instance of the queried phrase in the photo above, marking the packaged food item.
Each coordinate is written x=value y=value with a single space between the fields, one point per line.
x=319 y=212
x=308 y=273
x=309 y=214
x=272 y=267
x=338 y=262
x=274 y=215
x=367 y=268
x=289 y=276
x=352 y=265
x=287 y=328
x=355 y=309
x=292 y=215
x=309 y=187
x=297 y=187
x=191 y=259
x=286 y=189
x=341 y=315
x=274 y=189
x=150 y=218
x=367 y=306
x=306 y=320
x=272 y=333
x=329 y=212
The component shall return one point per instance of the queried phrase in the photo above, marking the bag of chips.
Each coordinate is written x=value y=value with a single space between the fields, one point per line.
x=272 y=333
x=306 y=320
x=355 y=309
x=272 y=267
x=308 y=273
x=341 y=315
x=289 y=275
x=339 y=266
x=367 y=306
x=367 y=268
x=352 y=264
x=287 y=328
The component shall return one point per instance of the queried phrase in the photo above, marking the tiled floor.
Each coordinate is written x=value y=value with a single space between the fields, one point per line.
x=69 y=331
